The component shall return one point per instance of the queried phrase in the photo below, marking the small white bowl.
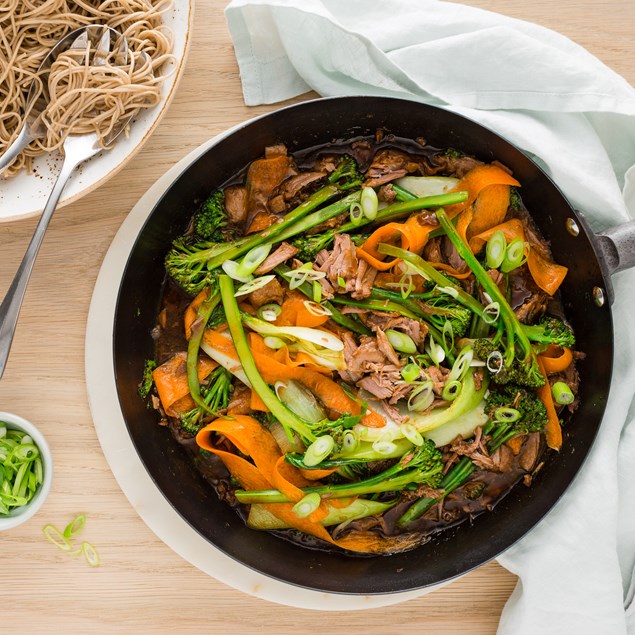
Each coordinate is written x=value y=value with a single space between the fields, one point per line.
x=20 y=515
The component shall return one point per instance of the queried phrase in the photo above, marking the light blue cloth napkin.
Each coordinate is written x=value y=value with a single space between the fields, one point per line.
x=576 y=118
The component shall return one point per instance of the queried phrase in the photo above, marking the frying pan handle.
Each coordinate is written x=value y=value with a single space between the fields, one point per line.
x=617 y=247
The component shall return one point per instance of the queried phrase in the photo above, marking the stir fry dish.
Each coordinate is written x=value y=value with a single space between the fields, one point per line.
x=361 y=344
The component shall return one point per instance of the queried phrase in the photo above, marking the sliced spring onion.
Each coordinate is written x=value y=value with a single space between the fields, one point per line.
x=75 y=526
x=356 y=214
x=317 y=292
x=319 y=450
x=350 y=441
x=274 y=342
x=491 y=313
x=562 y=393
x=451 y=291
x=253 y=285
x=269 y=312
x=304 y=273
x=421 y=398
x=299 y=400
x=435 y=351
x=412 y=434
x=230 y=267
x=55 y=536
x=253 y=259
x=506 y=415
x=316 y=309
x=410 y=372
x=401 y=342
x=451 y=390
x=384 y=447
x=461 y=364
x=341 y=282
x=307 y=505
x=448 y=335
x=91 y=555
x=369 y=203
x=494 y=362
x=514 y=255
x=21 y=470
x=495 y=249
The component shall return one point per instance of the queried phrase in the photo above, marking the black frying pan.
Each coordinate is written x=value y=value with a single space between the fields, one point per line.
x=586 y=295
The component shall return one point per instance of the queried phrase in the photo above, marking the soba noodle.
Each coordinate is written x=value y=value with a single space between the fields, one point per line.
x=84 y=98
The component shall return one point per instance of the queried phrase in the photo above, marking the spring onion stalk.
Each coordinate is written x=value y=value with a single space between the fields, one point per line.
x=514 y=255
x=232 y=269
x=194 y=344
x=451 y=390
x=253 y=259
x=75 y=526
x=273 y=342
x=426 y=270
x=495 y=249
x=289 y=420
x=421 y=397
x=461 y=364
x=491 y=288
x=62 y=540
x=300 y=400
x=562 y=394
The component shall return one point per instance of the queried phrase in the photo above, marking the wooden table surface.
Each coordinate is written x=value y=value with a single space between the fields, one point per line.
x=142 y=585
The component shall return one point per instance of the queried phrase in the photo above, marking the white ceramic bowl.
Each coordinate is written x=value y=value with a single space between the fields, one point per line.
x=20 y=515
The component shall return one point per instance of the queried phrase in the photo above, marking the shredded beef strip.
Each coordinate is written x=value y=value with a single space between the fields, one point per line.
x=340 y=264
x=389 y=165
x=273 y=291
x=280 y=255
x=386 y=348
x=236 y=204
x=366 y=275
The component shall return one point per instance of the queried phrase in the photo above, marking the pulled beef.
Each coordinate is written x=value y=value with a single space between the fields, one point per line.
x=389 y=165
x=383 y=320
x=451 y=255
x=393 y=412
x=280 y=255
x=341 y=263
x=529 y=452
x=386 y=348
x=457 y=166
x=387 y=194
x=366 y=275
x=236 y=204
x=432 y=250
x=293 y=190
x=360 y=359
x=534 y=307
x=240 y=402
x=439 y=376
x=377 y=384
x=273 y=291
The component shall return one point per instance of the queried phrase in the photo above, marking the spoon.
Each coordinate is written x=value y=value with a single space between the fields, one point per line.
x=77 y=148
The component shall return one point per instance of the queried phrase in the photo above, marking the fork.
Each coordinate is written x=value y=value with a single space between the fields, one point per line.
x=77 y=148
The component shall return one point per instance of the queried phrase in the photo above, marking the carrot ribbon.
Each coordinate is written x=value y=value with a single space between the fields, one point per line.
x=553 y=431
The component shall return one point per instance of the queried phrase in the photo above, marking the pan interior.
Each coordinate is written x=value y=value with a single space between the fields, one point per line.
x=455 y=551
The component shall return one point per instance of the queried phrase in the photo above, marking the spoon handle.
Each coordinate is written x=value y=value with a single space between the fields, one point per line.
x=20 y=142
x=10 y=307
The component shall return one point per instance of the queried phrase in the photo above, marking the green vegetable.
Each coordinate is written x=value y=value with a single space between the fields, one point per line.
x=533 y=417
x=422 y=465
x=550 y=330
x=562 y=393
x=211 y=221
x=514 y=255
x=515 y=336
x=519 y=372
x=145 y=386
x=21 y=471
x=495 y=249
x=401 y=342
x=216 y=394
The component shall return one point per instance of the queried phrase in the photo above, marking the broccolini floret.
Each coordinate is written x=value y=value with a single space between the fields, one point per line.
x=522 y=372
x=211 y=222
x=216 y=394
x=550 y=330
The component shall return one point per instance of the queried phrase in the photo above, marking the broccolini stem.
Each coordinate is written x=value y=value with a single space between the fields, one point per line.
x=429 y=272
x=194 y=344
x=289 y=420
x=512 y=326
x=267 y=236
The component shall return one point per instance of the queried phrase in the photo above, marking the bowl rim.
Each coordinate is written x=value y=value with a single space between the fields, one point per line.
x=22 y=514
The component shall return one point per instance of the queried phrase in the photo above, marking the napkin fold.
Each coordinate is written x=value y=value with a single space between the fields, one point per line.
x=576 y=118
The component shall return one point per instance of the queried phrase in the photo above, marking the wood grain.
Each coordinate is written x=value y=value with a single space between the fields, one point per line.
x=142 y=586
